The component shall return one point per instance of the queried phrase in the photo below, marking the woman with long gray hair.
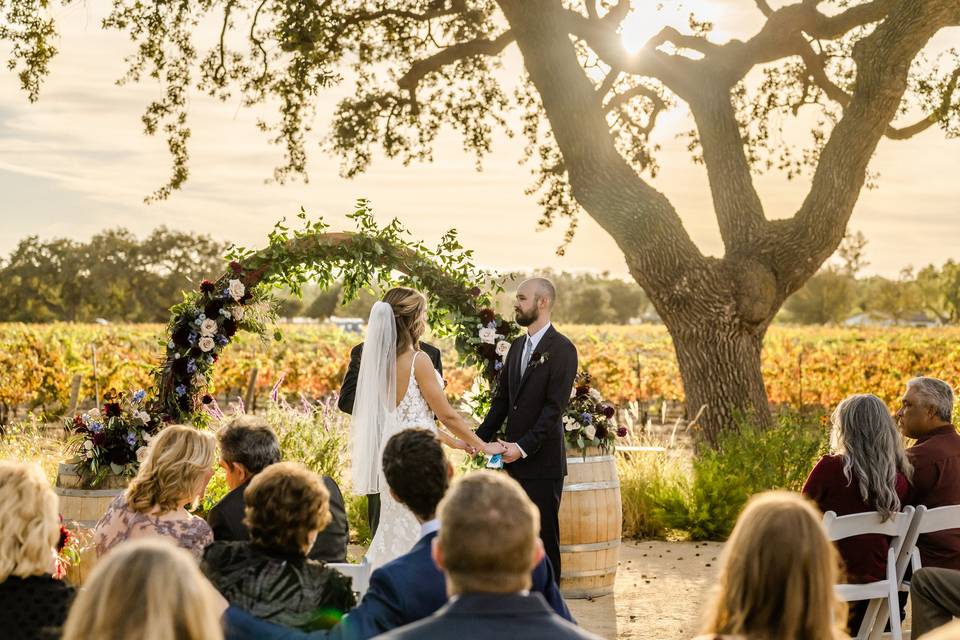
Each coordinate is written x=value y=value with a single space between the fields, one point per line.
x=867 y=470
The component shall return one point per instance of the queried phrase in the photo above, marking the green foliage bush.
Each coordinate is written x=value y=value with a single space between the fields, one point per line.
x=704 y=502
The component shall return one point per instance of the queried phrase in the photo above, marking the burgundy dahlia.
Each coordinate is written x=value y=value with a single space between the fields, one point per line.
x=206 y=399
x=111 y=410
x=608 y=410
x=583 y=390
x=98 y=439
x=622 y=432
x=206 y=286
x=64 y=538
x=235 y=266
x=487 y=316
x=475 y=292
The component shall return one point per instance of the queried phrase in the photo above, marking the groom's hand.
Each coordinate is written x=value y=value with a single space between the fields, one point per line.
x=512 y=453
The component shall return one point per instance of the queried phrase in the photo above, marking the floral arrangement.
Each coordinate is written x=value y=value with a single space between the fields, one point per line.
x=70 y=548
x=486 y=339
x=112 y=439
x=589 y=420
x=201 y=327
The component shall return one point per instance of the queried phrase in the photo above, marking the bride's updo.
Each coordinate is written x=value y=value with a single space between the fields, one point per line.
x=409 y=310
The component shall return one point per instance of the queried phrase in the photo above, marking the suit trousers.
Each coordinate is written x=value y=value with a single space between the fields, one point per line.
x=373 y=512
x=546 y=494
x=935 y=594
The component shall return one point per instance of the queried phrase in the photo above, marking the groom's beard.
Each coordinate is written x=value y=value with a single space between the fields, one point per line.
x=526 y=319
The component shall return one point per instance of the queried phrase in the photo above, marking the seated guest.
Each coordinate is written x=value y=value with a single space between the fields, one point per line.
x=33 y=604
x=935 y=598
x=486 y=548
x=247 y=446
x=867 y=471
x=146 y=589
x=174 y=474
x=270 y=575
x=776 y=575
x=925 y=415
x=411 y=587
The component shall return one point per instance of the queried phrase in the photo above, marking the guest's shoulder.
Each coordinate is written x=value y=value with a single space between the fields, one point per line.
x=221 y=552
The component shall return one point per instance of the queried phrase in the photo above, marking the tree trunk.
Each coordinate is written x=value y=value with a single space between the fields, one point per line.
x=720 y=367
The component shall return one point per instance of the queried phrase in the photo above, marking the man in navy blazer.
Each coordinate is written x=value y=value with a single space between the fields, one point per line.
x=486 y=549
x=410 y=587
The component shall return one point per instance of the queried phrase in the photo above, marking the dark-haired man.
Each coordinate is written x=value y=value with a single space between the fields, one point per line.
x=410 y=587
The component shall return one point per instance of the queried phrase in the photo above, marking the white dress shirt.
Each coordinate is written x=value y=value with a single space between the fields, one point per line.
x=534 y=340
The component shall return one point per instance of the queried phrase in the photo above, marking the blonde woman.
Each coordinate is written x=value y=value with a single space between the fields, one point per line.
x=32 y=602
x=777 y=575
x=150 y=590
x=174 y=474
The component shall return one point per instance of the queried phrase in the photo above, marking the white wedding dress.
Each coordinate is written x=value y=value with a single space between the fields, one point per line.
x=399 y=530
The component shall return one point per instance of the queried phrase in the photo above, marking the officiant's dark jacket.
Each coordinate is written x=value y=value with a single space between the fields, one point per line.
x=533 y=405
x=226 y=521
x=402 y=591
x=491 y=616
x=348 y=389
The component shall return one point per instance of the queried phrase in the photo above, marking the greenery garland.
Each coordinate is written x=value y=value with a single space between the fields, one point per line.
x=204 y=323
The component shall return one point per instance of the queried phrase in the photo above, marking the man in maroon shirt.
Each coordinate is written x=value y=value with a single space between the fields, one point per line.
x=925 y=413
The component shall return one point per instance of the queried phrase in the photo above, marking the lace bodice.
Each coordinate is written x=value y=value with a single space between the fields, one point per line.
x=413 y=410
x=399 y=529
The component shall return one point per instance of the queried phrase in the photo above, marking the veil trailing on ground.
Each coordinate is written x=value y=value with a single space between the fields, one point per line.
x=375 y=402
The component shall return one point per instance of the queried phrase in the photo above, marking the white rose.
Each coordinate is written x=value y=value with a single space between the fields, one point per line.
x=488 y=336
x=573 y=393
x=590 y=431
x=94 y=413
x=595 y=395
x=208 y=327
x=225 y=313
x=237 y=313
x=141 y=453
x=89 y=454
x=199 y=381
x=144 y=416
x=569 y=423
x=206 y=343
x=88 y=445
x=236 y=289
x=503 y=347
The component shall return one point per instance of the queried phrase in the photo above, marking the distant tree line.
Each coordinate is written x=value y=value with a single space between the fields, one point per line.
x=837 y=292
x=120 y=278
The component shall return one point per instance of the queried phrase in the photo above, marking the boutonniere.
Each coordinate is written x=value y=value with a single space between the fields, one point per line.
x=537 y=358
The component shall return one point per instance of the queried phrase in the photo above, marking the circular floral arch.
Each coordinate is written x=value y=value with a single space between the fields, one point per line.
x=204 y=324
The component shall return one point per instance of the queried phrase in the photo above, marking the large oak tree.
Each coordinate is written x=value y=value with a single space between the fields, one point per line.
x=858 y=70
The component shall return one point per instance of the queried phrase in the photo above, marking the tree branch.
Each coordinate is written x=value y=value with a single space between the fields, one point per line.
x=932 y=119
x=481 y=46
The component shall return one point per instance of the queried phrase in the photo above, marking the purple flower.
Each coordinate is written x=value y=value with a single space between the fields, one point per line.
x=222 y=339
x=192 y=338
x=191 y=366
x=180 y=390
x=139 y=396
x=131 y=438
x=498 y=365
x=586 y=418
x=622 y=432
x=96 y=427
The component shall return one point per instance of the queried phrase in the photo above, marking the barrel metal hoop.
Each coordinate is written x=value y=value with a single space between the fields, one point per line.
x=582 y=460
x=594 y=546
x=592 y=486
x=87 y=493
x=588 y=574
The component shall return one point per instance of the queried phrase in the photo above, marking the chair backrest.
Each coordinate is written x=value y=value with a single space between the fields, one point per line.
x=359 y=574
x=940 y=518
x=858 y=524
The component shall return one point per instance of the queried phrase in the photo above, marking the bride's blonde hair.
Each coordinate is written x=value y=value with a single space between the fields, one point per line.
x=409 y=307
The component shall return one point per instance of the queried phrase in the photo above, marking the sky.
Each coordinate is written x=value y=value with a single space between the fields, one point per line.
x=77 y=162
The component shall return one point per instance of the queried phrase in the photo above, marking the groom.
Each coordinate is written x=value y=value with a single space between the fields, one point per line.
x=348 y=391
x=531 y=395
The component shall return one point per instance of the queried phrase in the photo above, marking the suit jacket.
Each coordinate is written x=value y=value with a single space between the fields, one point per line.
x=533 y=405
x=492 y=616
x=226 y=520
x=402 y=591
x=348 y=389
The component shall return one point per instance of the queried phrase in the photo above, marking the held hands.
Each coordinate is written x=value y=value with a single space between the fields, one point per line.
x=493 y=448
x=511 y=451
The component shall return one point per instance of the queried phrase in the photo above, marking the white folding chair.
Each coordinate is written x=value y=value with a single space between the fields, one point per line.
x=897 y=528
x=934 y=520
x=359 y=574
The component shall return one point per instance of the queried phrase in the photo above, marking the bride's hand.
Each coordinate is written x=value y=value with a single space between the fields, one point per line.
x=493 y=448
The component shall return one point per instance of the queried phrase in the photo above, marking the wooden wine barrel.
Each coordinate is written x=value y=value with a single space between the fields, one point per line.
x=591 y=519
x=81 y=508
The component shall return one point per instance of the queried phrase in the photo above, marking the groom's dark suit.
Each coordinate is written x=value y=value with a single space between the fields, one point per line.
x=533 y=406
x=348 y=392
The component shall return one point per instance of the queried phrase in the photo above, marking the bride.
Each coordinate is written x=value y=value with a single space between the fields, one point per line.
x=398 y=388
